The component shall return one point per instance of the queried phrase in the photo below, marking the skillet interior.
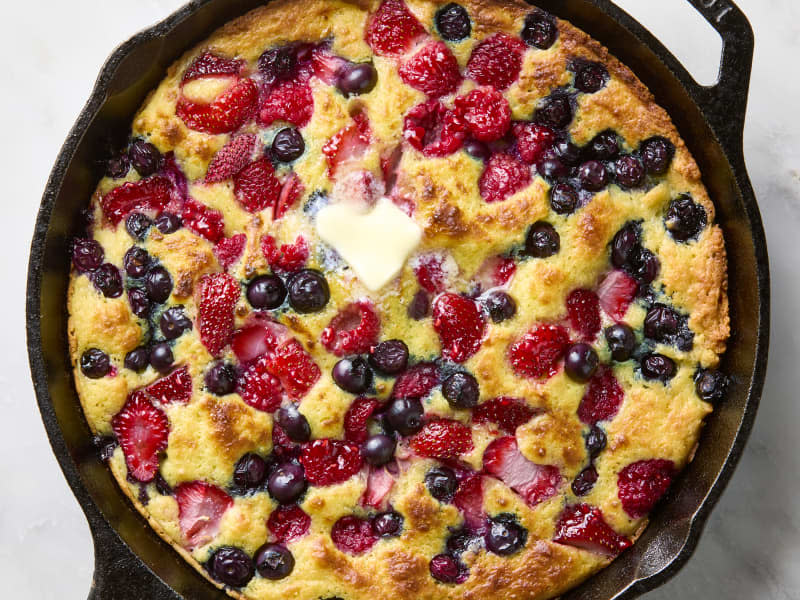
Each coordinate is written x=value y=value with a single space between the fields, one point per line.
x=133 y=562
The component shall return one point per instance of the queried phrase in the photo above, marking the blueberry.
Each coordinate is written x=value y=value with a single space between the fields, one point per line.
x=174 y=322
x=379 y=449
x=161 y=357
x=501 y=306
x=250 y=471
x=231 y=566
x=137 y=225
x=657 y=154
x=685 y=218
x=624 y=245
x=604 y=146
x=505 y=535
x=308 y=291
x=220 y=379
x=461 y=390
x=593 y=175
x=158 y=284
x=452 y=22
x=580 y=362
x=277 y=63
x=404 y=415
x=584 y=482
x=563 y=199
x=658 y=366
x=445 y=568
x=389 y=357
x=477 y=149
x=352 y=375
x=274 y=561
x=288 y=145
x=644 y=265
x=590 y=77
x=542 y=240
x=661 y=322
x=287 y=483
x=87 y=254
x=551 y=167
x=168 y=222
x=595 y=441
x=387 y=524
x=294 y=424
x=460 y=541
x=137 y=359
x=629 y=171
x=144 y=157
x=108 y=280
x=266 y=291
x=357 y=79
x=95 y=363
x=162 y=487
x=117 y=167
x=568 y=152
x=136 y=262
x=441 y=483
x=420 y=305
x=540 y=30
x=105 y=445
x=140 y=303
x=711 y=385
x=621 y=341
x=554 y=111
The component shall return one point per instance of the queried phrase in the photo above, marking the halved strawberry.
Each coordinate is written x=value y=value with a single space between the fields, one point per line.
x=353 y=535
x=229 y=250
x=142 y=431
x=583 y=526
x=535 y=483
x=326 y=66
x=583 y=310
x=537 y=353
x=349 y=143
x=616 y=292
x=217 y=298
x=290 y=101
x=434 y=129
x=486 y=113
x=202 y=220
x=507 y=413
x=602 y=399
x=226 y=113
x=417 y=382
x=291 y=192
x=354 y=330
x=356 y=418
x=433 y=70
x=256 y=187
x=379 y=484
x=294 y=367
x=232 y=158
x=533 y=140
x=287 y=258
x=392 y=29
x=442 y=438
x=496 y=61
x=251 y=342
x=496 y=271
x=469 y=500
x=260 y=389
x=175 y=387
x=211 y=65
x=641 y=485
x=200 y=509
x=460 y=324
x=328 y=462
x=150 y=194
x=288 y=522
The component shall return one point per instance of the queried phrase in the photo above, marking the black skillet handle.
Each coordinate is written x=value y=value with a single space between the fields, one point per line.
x=725 y=103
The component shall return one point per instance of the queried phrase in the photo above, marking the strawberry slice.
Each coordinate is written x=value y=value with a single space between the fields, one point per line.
x=442 y=438
x=616 y=293
x=535 y=483
x=217 y=297
x=256 y=187
x=202 y=220
x=641 y=485
x=417 y=382
x=211 y=65
x=150 y=194
x=602 y=399
x=294 y=367
x=232 y=158
x=287 y=258
x=433 y=70
x=229 y=111
x=260 y=389
x=392 y=29
x=353 y=535
x=507 y=413
x=460 y=324
x=328 y=462
x=291 y=192
x=251 y=342
x=379 y=484
x=175 y=387
x=583 y=311
x=537 y=353
x=354 y=330
x=142 y=431
x=356 y=418
x=200 y=509
x=229 y=250
x=583 y=526
x=290 y=101
x=496 y=271
x=288 y=522
x=469 y=500
x=349 y=143
x=326 y=66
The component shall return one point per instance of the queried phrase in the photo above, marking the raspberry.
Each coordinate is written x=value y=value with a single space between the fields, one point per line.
x=288 y=522
x=353 y=331
x=232 y=158
x=496 y=61
x=583 y=310
x=209 y=65
x=641 y=485
x=537 y=353
x=460 y=325
x=506 y=413
x=392 y=29
x=433 y=70
x=258 y=388
x=175 y=387
x=442 y=439
x=202 y=220
x=256 y=187
x=142 y=431
x=533 y=140
x=328 y=462
x=217 y=297
x=290 y=101
x=229 y=250
x=602 y=399
x=417 y=382
x=227 y=113
x=294 y=367
x=356 y=418
x=486 y=113
x=287 y=258
x=503 y=176
x=151 y=194
x=431 y=273
x=353 y=535
x=433 y=129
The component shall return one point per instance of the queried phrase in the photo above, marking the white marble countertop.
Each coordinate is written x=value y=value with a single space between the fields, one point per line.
x=50 y=54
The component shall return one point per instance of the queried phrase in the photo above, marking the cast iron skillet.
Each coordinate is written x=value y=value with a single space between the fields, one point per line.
x=132 y=562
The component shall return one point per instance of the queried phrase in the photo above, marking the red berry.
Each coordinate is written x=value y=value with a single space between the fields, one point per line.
x=287 y=258
x=217 y=295
x=507 y=413
x=602 y=399
x=442 y=438
x=535 y=483
x=142 y=431
x=641 y=485
x=291 y=192
x=202 y=220
x=583 y=526
x=232 y=158
x=537 y=353
x=356 y=418
x=433 y=70
x=227 y=113
x=290 y=101
x=533 y=140
x=392 y=29
x=229 y=250
x=260 y=389
x=150 y=194
x=431 y=273
x=200 y=509
x=417 y=382
x=251 y=342
x=294 y=367
x=353 y=331
x=583 y=310
x=288 y=522
x=209 y=65
x=353 y=535
x=496 y=61
x=486 y=113
x=616 y=292
x=348 y=143
x=469 y=500
x=433 y=129
x=503 y=176
x=460 y=324
x=328 y=462
x=175 y=387
x=379 y=483
x=256 y=186
x=326 y=66
x=496 y=271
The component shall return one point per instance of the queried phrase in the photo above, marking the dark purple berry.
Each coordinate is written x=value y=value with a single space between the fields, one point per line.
x=387 y=524
x=389 y=357
x=136 y=262
x=168 y=222
x=95 y=363
x=563 y=199
x=174 y=322
x=452 y=22
x=108 y=280
x=568 y=152
x=161 y=357
x=542 y=240
x=629 y=171
x=584 y=482
x=501 y=306
x=231 y=566
x=308 y=291
x=105 y=446
x=621 y=341
x=461 y=541
x=352 y=375
x=273 y=561
x=658 y=366
x=266 y=291
x=287 y=483
x=145 y=157
x=595 y=441
x=554 y=111
x=140 y=303
x=625 y=245
x=162 y=487
x=711 y=386
x=441 y=483
x=379 y=449
x=645 y=266
x=593 y=175
x=420 y=306
x=288 y=145
x=250 y=471
x=461 y=390
x=137 y=225
x=277 y=63
x=294 y=424
x=604 y=146
x=657 y=154
x=685 y=218
x=590 y=77
x=158 y=284
x=477 y=149
x=505 y=535
x=445 y=568
x=357 y=79
x=661 y=322
x=540 y=30
x=87 y=254
x=220 y=379
x=117 y=167
x=551 y=168
x=404 y=415
x=580 y=362
x=137 y=359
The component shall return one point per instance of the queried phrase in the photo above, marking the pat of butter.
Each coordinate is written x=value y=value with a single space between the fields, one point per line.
x=375 y=243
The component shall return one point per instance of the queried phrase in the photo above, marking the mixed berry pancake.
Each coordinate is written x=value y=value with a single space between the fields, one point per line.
x=399 y=298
